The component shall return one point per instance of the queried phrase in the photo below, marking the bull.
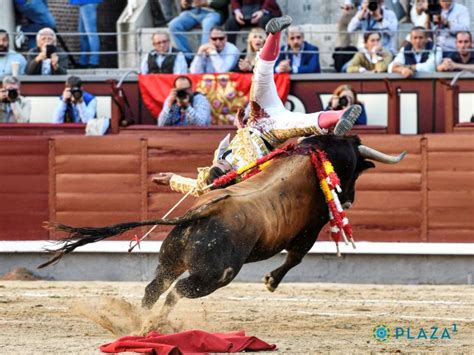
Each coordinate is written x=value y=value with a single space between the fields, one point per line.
x=282 y=208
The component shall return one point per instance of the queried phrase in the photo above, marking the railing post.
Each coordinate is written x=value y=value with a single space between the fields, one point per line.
x=451 y=108
x=393 y=120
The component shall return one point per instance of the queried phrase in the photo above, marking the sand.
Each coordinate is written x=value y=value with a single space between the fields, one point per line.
x=48 y=317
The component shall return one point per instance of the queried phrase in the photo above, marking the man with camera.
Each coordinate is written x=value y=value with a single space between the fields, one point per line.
x=373 y=16
x=46 y=58
x=76 y=105
x=14 y=108
x=217 y=56
x=206 y=13
x=449 y=18
x=182 y=107
x=250 y=13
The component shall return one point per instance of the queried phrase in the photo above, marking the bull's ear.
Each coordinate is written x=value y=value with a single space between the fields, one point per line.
x=367 y=165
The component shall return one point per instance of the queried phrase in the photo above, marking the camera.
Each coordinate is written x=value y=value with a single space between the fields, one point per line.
x=373 y=5
x=76 y=92
x=50 y=49
x=12 y=95
x=344 y=101
x=434 y=8
x=182 y=94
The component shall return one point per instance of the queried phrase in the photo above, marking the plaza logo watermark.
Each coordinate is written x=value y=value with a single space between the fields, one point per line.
x=382 y=333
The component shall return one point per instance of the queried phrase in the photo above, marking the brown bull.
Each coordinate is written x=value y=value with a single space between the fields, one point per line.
x=282 y=208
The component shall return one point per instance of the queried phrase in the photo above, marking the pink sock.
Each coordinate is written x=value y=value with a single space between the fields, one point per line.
x=271 y=48
x=328 y=119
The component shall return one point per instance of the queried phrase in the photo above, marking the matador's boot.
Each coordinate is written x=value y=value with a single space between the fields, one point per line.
x=278 y=24
x=342 y=120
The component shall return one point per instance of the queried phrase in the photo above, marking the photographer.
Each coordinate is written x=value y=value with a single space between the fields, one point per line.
x=14 y=108
x=46 y=58
x=343 y=97
x=182 y=107
x=448 y=18
x=76 y=105
x=373 y=16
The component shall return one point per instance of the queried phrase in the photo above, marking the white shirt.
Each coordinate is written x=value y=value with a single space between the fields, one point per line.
x=216 y=62
x=180 y=65
x=429 y=66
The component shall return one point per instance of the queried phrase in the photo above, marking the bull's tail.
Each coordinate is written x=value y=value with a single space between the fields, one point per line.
x=85 y=235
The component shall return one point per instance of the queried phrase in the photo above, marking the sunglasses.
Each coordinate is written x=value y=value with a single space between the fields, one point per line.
x=295 y=37
x=217 y=38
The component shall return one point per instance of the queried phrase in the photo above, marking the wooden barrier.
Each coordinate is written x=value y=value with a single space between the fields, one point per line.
x=102 y=180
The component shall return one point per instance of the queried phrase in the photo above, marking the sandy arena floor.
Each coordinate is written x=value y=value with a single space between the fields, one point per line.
x=46 y=317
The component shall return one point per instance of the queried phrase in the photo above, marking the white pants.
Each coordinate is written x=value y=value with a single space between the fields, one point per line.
x=264 y=92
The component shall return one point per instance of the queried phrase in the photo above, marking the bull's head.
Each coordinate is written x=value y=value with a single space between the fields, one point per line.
x=350 y=159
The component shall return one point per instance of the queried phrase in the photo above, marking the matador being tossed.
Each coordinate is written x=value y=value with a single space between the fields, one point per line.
x=267 y=124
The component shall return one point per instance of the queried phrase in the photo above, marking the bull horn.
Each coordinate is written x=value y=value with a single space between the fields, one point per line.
x=371 y=153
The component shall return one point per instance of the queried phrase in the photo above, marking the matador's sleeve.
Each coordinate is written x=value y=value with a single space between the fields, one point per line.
x=196 y=186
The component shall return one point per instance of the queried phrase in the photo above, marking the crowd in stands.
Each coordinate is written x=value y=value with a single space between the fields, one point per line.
x=440 y=40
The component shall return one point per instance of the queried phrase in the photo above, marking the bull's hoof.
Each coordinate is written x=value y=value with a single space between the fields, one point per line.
x=269 y=282
x=147 y=304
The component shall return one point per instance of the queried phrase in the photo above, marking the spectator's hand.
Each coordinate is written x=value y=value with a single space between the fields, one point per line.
x=3 y=95
x=67 y=96
x=41 y=55
x=448 y=64
x=284 y=66
x=256 y=16
x=334 y=102
x=239 y=17
x=206 y=49
x=376 y=14
x=54 y=61
x=363 y=11
x=245 y=65
x=406 y=72
x=172 y=98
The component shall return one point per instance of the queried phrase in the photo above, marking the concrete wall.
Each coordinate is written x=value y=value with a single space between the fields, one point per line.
x=353 y=268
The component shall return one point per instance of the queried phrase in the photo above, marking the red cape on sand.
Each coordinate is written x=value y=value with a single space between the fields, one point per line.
x=188 y=342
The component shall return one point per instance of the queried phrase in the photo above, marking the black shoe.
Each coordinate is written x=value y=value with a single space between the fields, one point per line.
x=278 y=24
x=349 y=117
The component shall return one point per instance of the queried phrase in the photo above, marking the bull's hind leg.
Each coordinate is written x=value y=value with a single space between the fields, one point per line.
x=300 y=247
x=164 y=277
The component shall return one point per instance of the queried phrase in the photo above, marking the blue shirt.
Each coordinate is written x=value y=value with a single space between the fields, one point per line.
x=6 y=63
x=197 y=114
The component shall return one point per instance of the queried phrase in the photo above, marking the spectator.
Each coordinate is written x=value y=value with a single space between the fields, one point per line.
x=255 y=42
x=46 y=58
x=38 y=16
x=164 y=58
x=75 y=105
x=9 y=57
x=298 y=56
x=452 y=19
x=349 y=9
x=250 y=13
x=14 y=108
x=205 y=13
x=90 y=42
x=463 y=59
x=343 y=97
x=373 y=59
x=373 y=16
x=217 y=56
x=182 y=107
x=418 y=56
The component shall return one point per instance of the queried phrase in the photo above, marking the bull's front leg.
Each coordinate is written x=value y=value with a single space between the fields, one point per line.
x=301 y=245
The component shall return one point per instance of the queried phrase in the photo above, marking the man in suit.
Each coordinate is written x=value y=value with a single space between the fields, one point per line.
x=298 y=56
